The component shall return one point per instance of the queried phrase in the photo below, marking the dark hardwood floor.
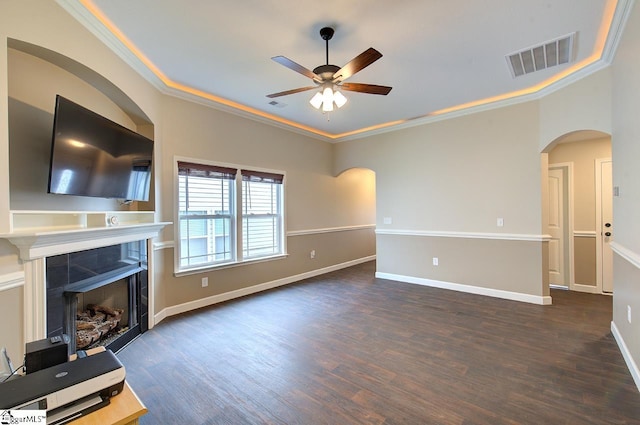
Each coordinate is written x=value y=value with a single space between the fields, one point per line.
x=347 y=348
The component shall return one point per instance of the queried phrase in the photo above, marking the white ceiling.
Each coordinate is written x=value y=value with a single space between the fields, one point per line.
x=437 y=54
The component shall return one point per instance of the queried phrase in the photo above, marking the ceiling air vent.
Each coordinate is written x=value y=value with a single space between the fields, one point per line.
x=546 y=55
x=277 y=104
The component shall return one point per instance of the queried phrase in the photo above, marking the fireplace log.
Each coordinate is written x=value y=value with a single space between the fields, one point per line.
x=106 y=310
x=83 y=325
x=95 y=323
x=98 y=317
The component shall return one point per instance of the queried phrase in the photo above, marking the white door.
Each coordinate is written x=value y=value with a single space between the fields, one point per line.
x=556 y=227
x=606 y=224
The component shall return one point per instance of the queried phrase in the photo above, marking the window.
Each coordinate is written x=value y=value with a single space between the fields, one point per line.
x=208 y=198
x=261 y=213
x=205 y=214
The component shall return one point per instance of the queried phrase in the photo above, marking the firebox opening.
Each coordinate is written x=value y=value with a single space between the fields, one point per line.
x=98 y=297
x=102 y=315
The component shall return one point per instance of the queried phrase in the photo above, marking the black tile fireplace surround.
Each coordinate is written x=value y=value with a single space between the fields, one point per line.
x=73 y=274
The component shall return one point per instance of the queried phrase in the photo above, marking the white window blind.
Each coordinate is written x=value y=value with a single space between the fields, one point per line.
x=261 y=214
x=206 y=206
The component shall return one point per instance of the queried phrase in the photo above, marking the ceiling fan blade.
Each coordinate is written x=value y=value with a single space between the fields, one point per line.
x=288 y=92
x=358 y=63
x=295 y=67
x=366 y=88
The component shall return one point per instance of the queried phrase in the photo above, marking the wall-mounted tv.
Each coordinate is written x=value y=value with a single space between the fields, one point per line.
x=94 y=156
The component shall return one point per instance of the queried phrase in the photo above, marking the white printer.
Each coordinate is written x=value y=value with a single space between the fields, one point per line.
x=68 y=390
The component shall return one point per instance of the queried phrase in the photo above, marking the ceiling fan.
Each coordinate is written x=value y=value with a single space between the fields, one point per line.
x=330 y=78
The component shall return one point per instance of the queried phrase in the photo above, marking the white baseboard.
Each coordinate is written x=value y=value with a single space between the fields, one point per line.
x=628 y=358
x=214 y=299
x=158 y=318
x=478 y=290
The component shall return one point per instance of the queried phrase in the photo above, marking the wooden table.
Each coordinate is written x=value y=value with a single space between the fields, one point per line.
x=124 y=409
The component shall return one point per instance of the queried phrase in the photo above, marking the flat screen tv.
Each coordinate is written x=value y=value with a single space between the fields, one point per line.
x=94 y=156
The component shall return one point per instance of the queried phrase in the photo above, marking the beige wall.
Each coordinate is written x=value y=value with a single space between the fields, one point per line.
x=515 y=265
x=626 y=175
x=12 y=323
x=431 y=177
x=458 y=176
x=583 y=105
x=582 y=155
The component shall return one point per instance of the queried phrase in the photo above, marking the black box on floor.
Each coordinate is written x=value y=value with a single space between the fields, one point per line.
x=45 y=353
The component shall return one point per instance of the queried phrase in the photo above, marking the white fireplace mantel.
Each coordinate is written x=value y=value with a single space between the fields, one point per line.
x=41 y=234
x=33 y=245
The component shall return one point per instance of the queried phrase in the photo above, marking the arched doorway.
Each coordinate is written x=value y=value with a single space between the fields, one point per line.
x=578 y=211
x=357 y=189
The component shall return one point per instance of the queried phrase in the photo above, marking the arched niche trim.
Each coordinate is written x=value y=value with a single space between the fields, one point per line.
x=86 y=74
x=355 y=170
x=575 y=136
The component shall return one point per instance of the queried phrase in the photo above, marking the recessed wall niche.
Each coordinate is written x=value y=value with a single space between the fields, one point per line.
x=33 y=85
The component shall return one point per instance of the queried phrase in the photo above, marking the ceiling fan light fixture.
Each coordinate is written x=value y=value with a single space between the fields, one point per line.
x=327 y=99
x=339 y=99
x=316 y=100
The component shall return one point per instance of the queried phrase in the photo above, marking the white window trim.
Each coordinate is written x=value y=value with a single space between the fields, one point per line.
x=239 y=260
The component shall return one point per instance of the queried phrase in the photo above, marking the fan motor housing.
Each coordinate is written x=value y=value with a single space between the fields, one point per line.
x=326 y=71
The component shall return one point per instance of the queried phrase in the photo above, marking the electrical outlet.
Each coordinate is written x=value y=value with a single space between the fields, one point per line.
x=629 y=313
x=435 y=261
x=312 y=254
x=500 y=222
x=387 y=220
x=205 y=282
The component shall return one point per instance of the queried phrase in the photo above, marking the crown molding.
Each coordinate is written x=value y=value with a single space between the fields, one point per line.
x=91 y=23
x=620 y=18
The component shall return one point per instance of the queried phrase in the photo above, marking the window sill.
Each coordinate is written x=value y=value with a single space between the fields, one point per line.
x=211 y=268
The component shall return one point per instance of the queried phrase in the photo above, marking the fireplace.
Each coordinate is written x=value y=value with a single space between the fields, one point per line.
x=98 y=296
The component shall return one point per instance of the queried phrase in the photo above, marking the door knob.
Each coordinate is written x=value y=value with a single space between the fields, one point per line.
x=607 y=233
x=607 y=224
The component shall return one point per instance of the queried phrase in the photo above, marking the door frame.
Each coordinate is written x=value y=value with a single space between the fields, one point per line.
x=567 y=168
x=599 y=230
